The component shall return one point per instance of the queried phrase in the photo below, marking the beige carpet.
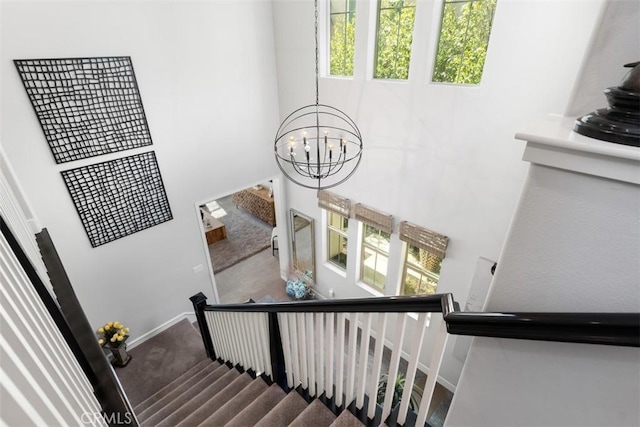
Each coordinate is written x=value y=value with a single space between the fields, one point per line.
x=160 y=360
x=246 y=236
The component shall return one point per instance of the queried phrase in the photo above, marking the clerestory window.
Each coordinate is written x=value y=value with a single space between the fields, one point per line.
x=464 y=37
x=342 y=37
x=394 y=36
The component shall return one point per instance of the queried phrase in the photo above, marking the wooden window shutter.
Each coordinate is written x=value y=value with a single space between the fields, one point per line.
x=374 y=218
x=425 y=239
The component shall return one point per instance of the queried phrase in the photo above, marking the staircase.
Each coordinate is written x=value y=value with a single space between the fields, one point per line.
x=212 y=394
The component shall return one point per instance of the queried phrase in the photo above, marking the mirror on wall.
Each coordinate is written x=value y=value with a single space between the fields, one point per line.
x=303 y=243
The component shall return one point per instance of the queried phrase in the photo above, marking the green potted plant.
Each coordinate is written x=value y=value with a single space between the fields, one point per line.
x=398 y=389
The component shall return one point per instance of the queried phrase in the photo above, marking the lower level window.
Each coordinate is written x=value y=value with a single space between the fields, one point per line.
x=421 y=272
x=337 y=247
x=375 y=257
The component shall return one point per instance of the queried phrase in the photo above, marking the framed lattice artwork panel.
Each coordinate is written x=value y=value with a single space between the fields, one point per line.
x=120 y=197
x=86 y=106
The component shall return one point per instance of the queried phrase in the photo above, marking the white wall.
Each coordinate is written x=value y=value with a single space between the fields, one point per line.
x=573 y=246
x=438 y=155
x=615 y=42
x=206 y=72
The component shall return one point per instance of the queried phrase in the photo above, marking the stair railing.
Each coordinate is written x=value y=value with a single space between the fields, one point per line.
x=308 y=336
x=300 y=344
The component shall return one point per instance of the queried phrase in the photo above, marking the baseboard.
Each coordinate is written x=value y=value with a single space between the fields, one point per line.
x=318 y=294
x=191 y=317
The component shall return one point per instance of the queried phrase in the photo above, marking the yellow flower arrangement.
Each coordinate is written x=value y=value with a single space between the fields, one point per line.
x=112 y=332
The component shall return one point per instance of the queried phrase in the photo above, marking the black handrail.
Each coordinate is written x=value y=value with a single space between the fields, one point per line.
x=402 y=304
x=619 y=329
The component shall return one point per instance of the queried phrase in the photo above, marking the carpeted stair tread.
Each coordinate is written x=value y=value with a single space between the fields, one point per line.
x=316 y=414
x=200 y=393
x=346 y=419
x=184 y=391
x=232 y=407
x=284 y=412
x=192 y=375
x=237 y=390
x=260 y=407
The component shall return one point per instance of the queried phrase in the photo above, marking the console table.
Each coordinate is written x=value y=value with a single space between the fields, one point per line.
x=258 y=203
x=214 y=229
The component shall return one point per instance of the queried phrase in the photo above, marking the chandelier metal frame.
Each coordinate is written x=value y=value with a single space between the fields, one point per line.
x=318 y=141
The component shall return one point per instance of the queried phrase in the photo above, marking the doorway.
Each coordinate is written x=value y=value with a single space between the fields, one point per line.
x=241 y=236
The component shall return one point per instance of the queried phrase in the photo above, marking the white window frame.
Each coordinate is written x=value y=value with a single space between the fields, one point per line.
x=376 y=27
x=325 y=12
x=342 y=233
x=423 y=272
x=363 y=246
x=436 y=50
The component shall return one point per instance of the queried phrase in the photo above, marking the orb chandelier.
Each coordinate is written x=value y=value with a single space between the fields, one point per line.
x=318 y=146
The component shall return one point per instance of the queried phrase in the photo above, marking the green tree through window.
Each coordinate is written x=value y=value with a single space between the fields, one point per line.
x=421 y=272
x=394 y=38
x=342 y=37
x=464 y=37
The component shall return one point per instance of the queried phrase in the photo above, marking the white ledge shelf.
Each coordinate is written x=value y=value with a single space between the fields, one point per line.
x=552 y=142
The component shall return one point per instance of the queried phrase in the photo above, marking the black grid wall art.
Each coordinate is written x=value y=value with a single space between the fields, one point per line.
x=86 y=106
x=118 y=197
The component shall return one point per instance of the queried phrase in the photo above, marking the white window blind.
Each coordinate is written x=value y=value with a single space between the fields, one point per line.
x=334 y=203
x=430 y=241
x=373 y=217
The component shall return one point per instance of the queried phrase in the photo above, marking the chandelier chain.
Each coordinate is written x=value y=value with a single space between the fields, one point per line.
x=317 y=53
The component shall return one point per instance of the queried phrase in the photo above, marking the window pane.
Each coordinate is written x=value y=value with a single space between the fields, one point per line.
x=338 y=6
x=374 y=268
x=393 y=39
x=421 y=272
x=338 y=222
x=342 y=38
x=376 y=238
x=464 y=37
x=337 y=249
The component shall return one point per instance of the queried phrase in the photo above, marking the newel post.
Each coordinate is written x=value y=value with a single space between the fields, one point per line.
x=199 y=301
x=277 y=354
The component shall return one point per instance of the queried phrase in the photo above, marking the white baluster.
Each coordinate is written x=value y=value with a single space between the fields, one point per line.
x=246 y=359
x=254 y=343
x=211 y=322
x=351 y=361
x=401 y=321
x=283 y=321
x=414 y=355
x=293 y=324
x=381 y=330
x=320 y=347
x=246 y=340
x=364 y=355
x=235 y=339
x=311 y=353
x=259 y=341
x=340 y=361
x=224 y=336
x=330 y=353
x=434 y=369
x=302 y=346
